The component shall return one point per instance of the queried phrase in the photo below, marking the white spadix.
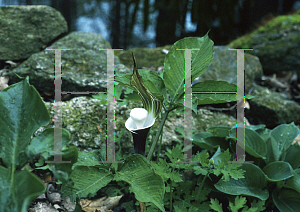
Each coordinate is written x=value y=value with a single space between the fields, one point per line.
x=139 y=119
x=139 y=116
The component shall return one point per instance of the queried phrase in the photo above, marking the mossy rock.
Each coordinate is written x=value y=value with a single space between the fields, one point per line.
x=271 y=108
x=276 y=44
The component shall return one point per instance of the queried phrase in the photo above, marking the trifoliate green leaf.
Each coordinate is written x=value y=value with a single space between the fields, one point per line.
x=175 y=154
x=215 y=205
x=199 y=170
x=239 y=203
x=228 y=169
x=162 y=168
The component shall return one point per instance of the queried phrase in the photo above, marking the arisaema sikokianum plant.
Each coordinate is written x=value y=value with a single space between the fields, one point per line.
x=142 y=119
x=167 y=89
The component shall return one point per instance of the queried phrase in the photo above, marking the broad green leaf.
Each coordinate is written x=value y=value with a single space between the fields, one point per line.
x=67 y=189
x=62 y=171
x=278 y=170
x=174 y=72
x=22 y=113
x=44 y=143
x=19 y=190
x=293 y=182
x=272 y=150
x=292 y=156
x=154 y=83
x=89 y=159
x=284 y=135
x=219 y=131
x=132 y=96
x=256 y=127
x=103 y=97
x=223 y=131
x=205 y=140
x=205 y=93
x=146 y=185
x=217 y=157
x=211 y=86
x=254 y=184
x=254 y=144
x=88 y=180
x=180 y=103
x=263 y=132
x=124 y=80
x=286 y=200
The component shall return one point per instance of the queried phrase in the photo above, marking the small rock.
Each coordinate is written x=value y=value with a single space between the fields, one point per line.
x=53 y=196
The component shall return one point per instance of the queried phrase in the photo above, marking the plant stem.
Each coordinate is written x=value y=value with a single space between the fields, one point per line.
x=149 y=157
x=171 y=192
x=202 y=184
x=159 y=148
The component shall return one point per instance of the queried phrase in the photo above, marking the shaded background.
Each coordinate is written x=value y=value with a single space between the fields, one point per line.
x=152 y=23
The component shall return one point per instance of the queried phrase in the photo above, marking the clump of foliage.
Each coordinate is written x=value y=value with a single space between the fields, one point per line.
x=271 y=181
x=22 y=112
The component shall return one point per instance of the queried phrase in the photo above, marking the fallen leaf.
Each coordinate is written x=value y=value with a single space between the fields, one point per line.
x=103 y=204
x=4 y=82
x=99 y=128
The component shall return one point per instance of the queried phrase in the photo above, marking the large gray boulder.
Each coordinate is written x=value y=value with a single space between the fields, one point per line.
x=26 y=30
x=272 y=108
x=223 y=67
x=83 y=66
